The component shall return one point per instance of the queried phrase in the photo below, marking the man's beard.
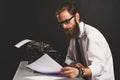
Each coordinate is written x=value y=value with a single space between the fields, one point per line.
x=73 y=32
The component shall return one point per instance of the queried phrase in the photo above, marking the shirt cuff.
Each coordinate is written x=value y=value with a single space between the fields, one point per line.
x=96 y=70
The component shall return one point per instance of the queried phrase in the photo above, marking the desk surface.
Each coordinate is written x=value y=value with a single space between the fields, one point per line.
x=23 y=72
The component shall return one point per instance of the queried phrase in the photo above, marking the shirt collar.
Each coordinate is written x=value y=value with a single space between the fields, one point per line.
x=81 y=27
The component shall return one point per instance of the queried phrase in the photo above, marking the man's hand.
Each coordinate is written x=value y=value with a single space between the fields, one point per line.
x=70 y=72
x=79 y=65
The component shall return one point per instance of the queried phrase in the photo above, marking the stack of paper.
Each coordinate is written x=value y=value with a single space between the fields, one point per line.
x=45 y=77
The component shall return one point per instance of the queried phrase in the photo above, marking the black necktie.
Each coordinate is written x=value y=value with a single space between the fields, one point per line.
x=80 y=54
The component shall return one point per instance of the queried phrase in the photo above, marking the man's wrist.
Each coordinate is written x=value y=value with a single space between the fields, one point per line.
x=81 y=71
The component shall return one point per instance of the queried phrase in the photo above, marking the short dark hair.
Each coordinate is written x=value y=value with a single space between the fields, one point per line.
x=70 y=6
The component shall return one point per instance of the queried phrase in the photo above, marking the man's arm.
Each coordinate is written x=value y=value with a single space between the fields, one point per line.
x=76 y=70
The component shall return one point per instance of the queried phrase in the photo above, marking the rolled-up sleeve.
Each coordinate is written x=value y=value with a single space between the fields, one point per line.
x=70 y=57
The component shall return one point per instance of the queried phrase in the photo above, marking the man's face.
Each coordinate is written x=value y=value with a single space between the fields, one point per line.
x=69 y=23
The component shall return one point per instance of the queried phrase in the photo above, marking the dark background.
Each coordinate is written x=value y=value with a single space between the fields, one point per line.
x=35 y=19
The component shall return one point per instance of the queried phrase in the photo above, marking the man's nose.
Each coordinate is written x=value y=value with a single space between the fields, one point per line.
x=64 y=26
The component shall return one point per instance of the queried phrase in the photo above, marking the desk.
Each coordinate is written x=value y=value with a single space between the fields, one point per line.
x=23 y=72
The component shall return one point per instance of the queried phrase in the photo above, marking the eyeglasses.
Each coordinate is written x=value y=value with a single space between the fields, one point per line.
x=66 y=21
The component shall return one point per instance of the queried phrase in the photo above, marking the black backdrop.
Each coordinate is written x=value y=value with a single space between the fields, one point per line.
x=35 y=19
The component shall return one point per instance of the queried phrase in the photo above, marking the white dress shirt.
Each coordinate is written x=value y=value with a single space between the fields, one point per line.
x=97 y=53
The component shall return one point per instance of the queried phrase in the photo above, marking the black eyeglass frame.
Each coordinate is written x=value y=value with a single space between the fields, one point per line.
x=66 y=21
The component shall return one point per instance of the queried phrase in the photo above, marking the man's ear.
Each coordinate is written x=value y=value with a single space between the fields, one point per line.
x=77 y=17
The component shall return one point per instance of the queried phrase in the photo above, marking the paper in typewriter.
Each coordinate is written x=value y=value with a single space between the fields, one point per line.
x=45 y=64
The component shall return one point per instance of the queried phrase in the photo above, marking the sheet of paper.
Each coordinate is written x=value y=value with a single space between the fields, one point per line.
x=45 y=64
